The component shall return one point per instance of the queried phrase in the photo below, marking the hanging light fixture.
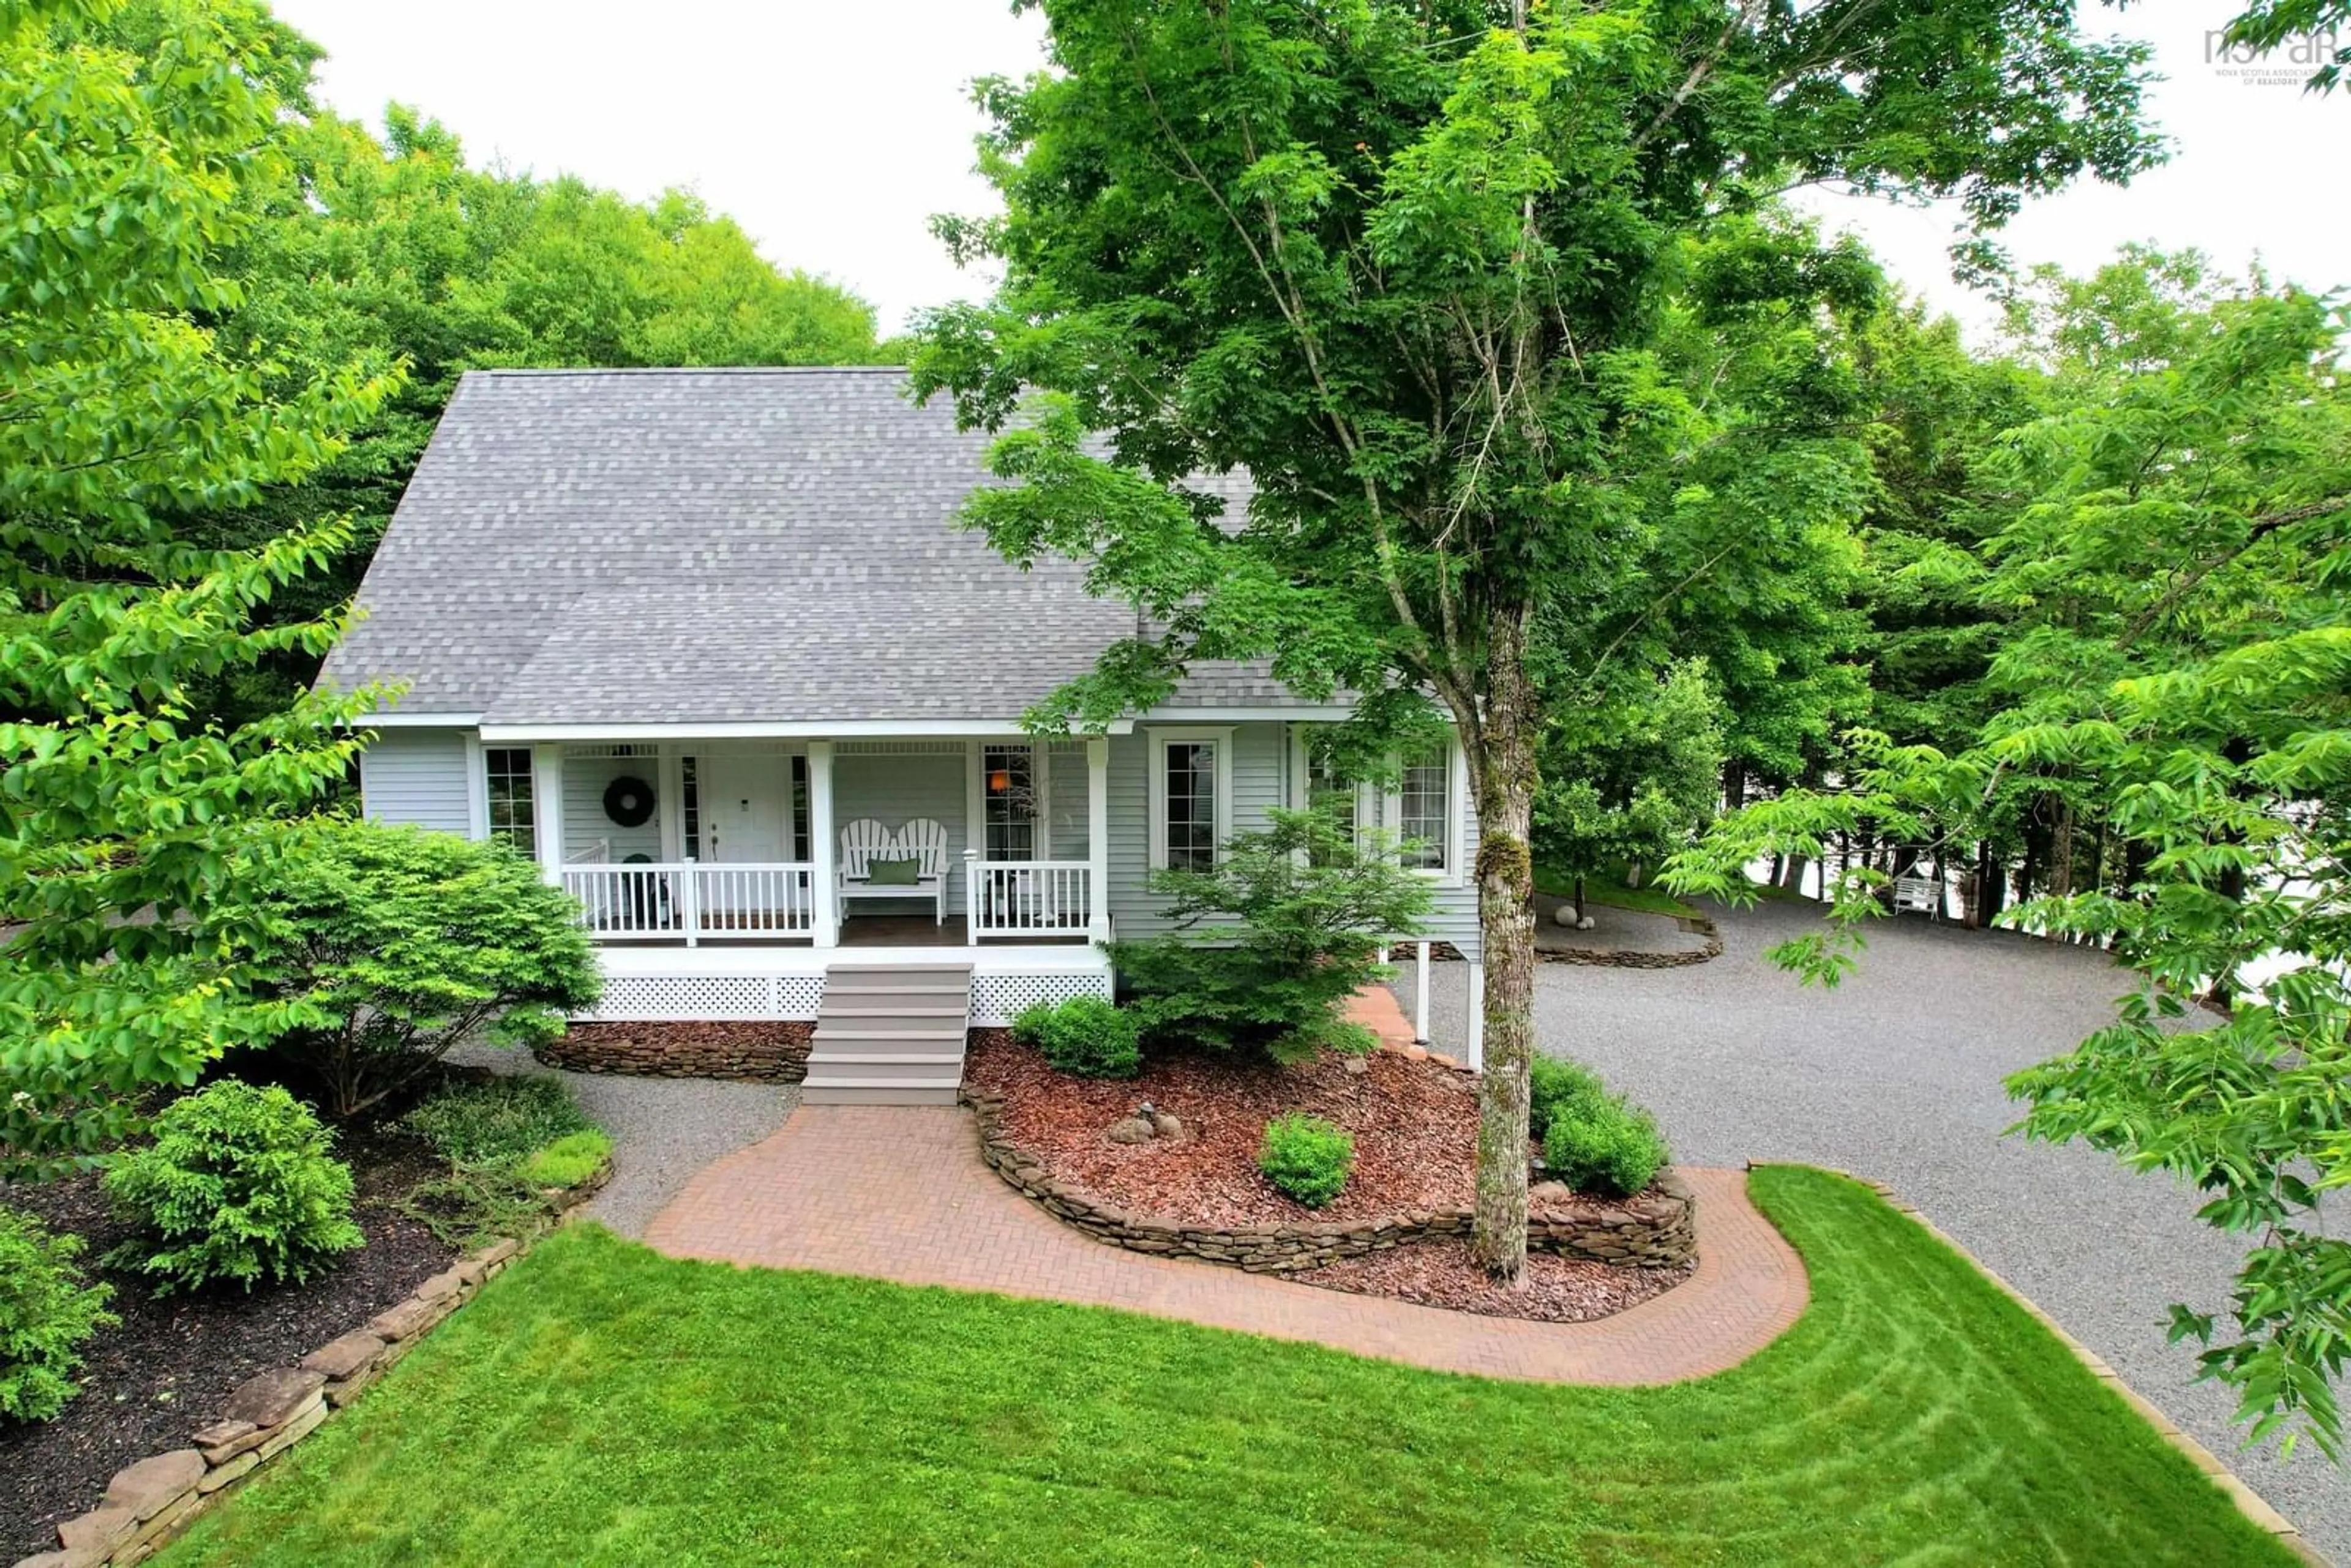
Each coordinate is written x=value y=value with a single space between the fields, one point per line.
x=999 y=781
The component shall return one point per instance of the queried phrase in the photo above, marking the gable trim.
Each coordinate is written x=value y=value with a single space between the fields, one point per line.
x=821 y=729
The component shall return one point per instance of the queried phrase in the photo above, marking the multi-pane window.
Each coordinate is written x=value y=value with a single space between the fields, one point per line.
x=1190 y=824
x=800 y=850
x=508 y=768
x=1423 y=808
x=1329 y=795
x=1007 y=779
x=689 y=808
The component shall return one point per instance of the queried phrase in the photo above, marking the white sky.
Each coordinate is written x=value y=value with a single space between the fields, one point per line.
x=832 y=131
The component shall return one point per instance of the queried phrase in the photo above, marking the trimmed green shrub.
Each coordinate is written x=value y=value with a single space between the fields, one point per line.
x=1087 y=1036
x=393 y=943
x=1553 y=1083
x=240 y=1182
x=497 y=1121
x=1269 y=945
x=1599 y=1144
x=568 y=1161
x=46 y=1312
x=1306 y=1157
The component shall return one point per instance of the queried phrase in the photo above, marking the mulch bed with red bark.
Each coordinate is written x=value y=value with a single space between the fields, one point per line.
x=1414 y=1124
x=1438 y=1272
x=1416 y=1129
x=172 y=1364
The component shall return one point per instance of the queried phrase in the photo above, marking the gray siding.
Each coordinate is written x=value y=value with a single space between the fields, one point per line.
x=893 y=789
x=416 y=776
x=1454 y=917
x=1260 y=779
x=585 y=780
x=1262 y=768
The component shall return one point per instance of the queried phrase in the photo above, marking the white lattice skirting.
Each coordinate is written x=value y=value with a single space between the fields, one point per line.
x=995 y=998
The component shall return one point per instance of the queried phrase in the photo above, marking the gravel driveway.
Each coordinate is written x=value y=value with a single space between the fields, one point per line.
x=663 y=1129
x=1896 y=1075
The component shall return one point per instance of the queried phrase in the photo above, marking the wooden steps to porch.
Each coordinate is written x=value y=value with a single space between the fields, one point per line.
x=889 y=1035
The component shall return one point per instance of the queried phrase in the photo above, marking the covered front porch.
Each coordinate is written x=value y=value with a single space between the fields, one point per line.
x=921 y=842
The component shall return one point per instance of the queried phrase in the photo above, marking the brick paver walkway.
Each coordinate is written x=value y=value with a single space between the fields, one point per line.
x=899 y=1193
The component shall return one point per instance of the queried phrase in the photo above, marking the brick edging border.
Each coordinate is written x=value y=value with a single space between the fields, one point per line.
x=149 y=1503
x=1653 y=1230
x=2249 y=1502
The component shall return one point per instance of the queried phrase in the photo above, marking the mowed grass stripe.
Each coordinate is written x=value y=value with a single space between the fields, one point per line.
x=603 y=1403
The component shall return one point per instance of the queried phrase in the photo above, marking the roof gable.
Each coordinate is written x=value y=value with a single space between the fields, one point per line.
x=674 y=546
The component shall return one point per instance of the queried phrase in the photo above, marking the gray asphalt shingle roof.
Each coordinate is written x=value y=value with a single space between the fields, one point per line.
x=643 y=547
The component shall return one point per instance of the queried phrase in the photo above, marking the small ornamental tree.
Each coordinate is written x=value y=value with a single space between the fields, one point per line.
x=1414 y=266
x=386 y=946
x=1271 y=942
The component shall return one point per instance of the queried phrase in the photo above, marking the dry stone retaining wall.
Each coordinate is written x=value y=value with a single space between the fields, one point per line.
x=1656 y=1230
x=148 y=1503
x=1635 y=959
x=764 y=1050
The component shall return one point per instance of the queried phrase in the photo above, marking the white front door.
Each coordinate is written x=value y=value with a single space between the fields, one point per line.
x=746 y=807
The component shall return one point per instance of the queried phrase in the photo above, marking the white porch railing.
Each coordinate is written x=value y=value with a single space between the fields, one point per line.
x=595 y=852
x=667 y=903
x=1027 y=898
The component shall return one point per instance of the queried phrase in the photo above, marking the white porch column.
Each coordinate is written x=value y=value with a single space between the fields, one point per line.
x=547 y=808
x=1476 y=983
x=827 y=922
x=1098 y=838
x=1420 y=995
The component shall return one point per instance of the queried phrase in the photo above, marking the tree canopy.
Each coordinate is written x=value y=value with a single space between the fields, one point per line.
x=1416 y=268
x=2169 y=543
x=122 y=803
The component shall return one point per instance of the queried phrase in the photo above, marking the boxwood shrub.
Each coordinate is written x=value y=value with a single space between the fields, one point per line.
x=1306 y=1157
x=1601 y=1145
x=47 y=1311
x=1085 y=1035
x=240 y=1184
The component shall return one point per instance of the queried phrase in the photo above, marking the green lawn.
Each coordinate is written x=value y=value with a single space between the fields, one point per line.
x=599 y=1404
x=1610 y=890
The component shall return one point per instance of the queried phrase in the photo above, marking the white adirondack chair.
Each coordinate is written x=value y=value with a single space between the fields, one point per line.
x=866 y=840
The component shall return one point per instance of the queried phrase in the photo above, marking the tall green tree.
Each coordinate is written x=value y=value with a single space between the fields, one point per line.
x=1629 y=784
x=132 y=148
x=2178 y=668
x=1406 y=264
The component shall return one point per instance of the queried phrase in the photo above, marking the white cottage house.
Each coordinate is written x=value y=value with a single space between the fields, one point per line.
x=710 y=645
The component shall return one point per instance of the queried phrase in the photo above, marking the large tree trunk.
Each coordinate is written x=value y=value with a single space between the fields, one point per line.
x=1505 y=792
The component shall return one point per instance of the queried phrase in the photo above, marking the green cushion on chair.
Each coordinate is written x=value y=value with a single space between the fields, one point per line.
x=892 y=873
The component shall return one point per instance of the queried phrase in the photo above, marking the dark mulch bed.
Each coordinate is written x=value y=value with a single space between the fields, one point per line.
x=1438 y=1272
x=172 y=1364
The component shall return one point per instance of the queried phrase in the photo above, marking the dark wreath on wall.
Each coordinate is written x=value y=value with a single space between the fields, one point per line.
x=628 y=801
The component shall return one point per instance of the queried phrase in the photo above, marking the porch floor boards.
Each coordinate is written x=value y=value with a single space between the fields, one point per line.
x=869 y=931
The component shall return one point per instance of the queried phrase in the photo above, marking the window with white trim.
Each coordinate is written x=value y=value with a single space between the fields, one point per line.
x=1191 y=797
x=1425 y=809
x=507 y=771
x=1007 y=798
x=1327 y=792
